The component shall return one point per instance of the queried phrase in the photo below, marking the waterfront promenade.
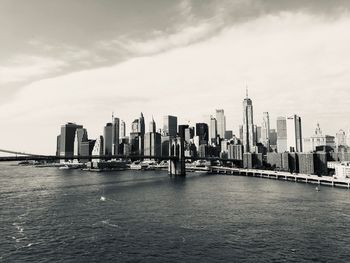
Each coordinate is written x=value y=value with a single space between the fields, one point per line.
x=279 y=175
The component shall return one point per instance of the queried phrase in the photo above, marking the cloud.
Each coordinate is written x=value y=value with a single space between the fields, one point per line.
x=24 y=67
x=292 y=62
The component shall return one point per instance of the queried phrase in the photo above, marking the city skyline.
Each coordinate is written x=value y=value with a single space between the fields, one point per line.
x=198 y=61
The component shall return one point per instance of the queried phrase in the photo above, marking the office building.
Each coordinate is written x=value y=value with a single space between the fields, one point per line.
x=108 y=141
x=152 y=126
x=273 y=138
x=213 y=131
x=342 y=170
x=170 y=126
x=182 y=130
x=58 y=145
x=340 y=138
x=228 y=135
x=189 y=134
x=318 y=139
x=98 y=148
x=67 y=139
x=152 y=144
x=294 y=134
x=248 y=125
x=122 y=129
x=281 y=134
x=115 y=136
x=221 y=123
x=165 y=148
x=265 y=131
x=202 y=133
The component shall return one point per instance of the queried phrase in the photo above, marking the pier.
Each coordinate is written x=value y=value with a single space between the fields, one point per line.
x=285 y=176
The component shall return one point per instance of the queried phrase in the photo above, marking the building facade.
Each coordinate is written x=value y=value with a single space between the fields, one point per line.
x=294 y=134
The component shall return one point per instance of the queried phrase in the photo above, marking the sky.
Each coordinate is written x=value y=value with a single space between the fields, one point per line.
x=81 y=60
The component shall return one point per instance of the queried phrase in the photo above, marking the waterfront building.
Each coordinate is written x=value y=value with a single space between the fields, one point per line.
x=274 y=160
x=202 y=133
x=248 y=125
x=108 y=141
x=235 y=152
x=221 y=123
x=67 y=138
x=318 y=139
x=170 y=126
x=342 y=170
x=306 y=163
x=281 y=134
x=213 y=131
x=294 y=134
x=265 y=131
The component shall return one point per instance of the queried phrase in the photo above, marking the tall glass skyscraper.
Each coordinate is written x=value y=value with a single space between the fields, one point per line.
x=294 y=135
x=265 y=130
x=170 y=126
x=67 y=139
x=221 y=123
x=115 y=136
x=213 y=132
x=248 y=125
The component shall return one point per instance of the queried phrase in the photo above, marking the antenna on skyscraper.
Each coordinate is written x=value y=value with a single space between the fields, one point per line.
x=246 y=91
x=112 y=115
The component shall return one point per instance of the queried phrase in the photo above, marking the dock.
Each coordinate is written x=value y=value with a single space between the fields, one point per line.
x=285 y=176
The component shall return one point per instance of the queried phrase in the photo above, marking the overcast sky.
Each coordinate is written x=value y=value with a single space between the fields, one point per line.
x=64 y=60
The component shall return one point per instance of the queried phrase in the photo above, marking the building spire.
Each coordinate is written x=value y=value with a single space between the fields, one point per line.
x=246 y=91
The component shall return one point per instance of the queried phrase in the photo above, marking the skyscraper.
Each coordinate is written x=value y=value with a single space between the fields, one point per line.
x=340 y=138
x=170 y=126
x=137 y=135
x=213 y=131
x=281 y=134
x=294 y=134
x=152 y=126
x=248 y=125
x=265 y=130
x=108 y=141
x=221 y=123
x=67 y=139
x=202 y=133
x=122 y=129
x=98 y=147
x=115 y=136
x=182 y=130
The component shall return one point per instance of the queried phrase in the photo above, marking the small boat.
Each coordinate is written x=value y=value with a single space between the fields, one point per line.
x=317 y=189
x=103 y=198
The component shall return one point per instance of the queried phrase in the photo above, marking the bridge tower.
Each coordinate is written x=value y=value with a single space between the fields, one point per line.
x=177 y=165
